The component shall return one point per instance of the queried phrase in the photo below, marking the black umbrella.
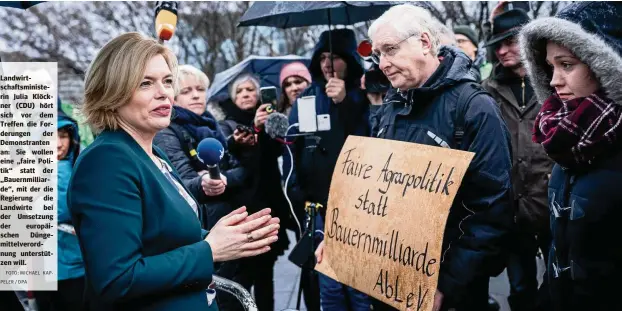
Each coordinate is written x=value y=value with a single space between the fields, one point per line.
x=19 y=4
x=290 y=14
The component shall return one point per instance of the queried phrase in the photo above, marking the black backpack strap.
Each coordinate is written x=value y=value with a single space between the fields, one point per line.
x=468 y=91
x=187 y=144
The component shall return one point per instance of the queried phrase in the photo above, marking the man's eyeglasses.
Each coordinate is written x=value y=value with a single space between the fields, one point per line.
x=390 y=51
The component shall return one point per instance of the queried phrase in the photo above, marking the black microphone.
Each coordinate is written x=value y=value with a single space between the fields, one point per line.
x=210 y=152
x=276 y=125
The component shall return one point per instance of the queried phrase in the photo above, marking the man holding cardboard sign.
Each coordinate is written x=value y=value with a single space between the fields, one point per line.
x=387 y=208
x=450 y=231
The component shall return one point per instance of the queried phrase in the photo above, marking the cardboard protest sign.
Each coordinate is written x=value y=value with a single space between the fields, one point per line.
x=386 y=215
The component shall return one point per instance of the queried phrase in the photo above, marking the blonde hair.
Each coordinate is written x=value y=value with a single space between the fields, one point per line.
x=191 y=71
x=409 y=20
x=114 y=75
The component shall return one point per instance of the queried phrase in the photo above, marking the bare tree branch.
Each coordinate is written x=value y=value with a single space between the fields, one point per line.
x=436 y=13
x=207 y=35
x=554 y=8
x=536 y=8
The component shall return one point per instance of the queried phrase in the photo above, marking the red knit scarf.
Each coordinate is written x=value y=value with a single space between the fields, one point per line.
x=574 y=133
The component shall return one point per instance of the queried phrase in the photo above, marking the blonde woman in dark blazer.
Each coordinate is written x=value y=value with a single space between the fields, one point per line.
x=137 y=224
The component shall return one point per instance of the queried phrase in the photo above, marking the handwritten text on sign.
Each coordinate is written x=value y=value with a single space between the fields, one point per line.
x=386 y=216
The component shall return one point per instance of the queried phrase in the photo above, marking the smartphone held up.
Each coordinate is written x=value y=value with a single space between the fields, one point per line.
x=269 y=96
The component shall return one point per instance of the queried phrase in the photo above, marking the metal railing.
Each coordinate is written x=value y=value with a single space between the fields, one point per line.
x=238 y=291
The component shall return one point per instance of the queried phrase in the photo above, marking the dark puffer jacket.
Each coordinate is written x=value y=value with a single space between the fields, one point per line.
x=585 y=261
x=481 y=216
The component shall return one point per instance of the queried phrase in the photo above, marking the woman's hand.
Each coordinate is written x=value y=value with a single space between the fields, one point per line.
x=261 y=115
x=238 y=235
x=243 y=138
x=319 y=252
x=213 y=187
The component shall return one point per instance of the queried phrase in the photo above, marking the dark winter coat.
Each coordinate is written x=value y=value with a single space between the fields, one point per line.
x=531 y=166
x=481 y=217
x=315 y=156
x=141 y=241
x=585 y=261
x=262 y=187
x=211 y=208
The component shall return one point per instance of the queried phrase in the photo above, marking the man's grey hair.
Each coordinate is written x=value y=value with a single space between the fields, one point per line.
x=409 y=20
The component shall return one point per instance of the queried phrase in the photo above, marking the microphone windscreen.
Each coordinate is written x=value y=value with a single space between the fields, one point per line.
x=166 y=19
x=210 y=151
x=276 y=125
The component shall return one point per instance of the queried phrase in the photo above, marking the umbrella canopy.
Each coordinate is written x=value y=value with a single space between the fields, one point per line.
x=19 y=4
x=289 y=14
x=267 y=69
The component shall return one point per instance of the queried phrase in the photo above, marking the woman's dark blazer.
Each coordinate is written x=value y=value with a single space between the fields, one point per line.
x=141 y=241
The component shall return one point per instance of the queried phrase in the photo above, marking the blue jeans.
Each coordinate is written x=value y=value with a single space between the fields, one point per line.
x=335 y=296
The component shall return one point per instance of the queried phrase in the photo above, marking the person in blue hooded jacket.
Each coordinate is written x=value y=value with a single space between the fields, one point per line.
x=336 y=87
x=70 y=264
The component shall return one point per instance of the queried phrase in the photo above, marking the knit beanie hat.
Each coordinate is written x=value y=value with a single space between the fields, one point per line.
x=294 y=69
x=467 y=32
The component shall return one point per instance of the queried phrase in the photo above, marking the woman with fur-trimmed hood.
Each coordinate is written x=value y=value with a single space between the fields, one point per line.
x=575 y=64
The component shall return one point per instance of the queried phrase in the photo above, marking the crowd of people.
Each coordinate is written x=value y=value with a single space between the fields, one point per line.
x=541 y=113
